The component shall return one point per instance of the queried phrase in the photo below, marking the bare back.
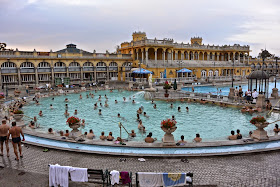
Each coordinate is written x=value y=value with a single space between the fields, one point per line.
x=15 y=132
x=4 y=130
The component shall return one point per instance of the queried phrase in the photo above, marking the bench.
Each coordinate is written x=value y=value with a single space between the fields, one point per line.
x=98 y=176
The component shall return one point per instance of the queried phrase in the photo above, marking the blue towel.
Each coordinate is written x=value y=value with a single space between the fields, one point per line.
x=172 y=179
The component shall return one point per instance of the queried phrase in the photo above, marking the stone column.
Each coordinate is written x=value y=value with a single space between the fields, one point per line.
x=19 y=78
x=182 y=55
x=193 y=56
x=163 y=52
x=147 y=55
x=238 y=57
x=82 y=74
x=228 y=57
x=187 y=56
x=137 y=55
x=36 y=76
x=222 y=57
x=243 y=58
x=67 y=72
x=172 y=56
x=156 y=55
x=208 y=56
x=95 y=78
x=107 y=69
x=218 y=57
x=176 y=55
x=52 y=76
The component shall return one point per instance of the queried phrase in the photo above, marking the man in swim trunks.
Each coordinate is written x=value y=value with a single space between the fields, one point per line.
x=15 y=132
x=4 y=131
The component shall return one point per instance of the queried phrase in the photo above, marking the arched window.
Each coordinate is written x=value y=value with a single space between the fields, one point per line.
x=59 y=64
x=203 y=73
x=210 y=73
x=88 y=64
x=44 y=65
x=74 y=64
x=27 y=65
x=101 y=64
x=216 y=73
x=258 y=66
x=8 y=65
x=113 y=64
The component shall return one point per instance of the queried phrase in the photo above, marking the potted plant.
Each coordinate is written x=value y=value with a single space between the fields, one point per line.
x=166 y=86
x=168 y=126
x=260 y=122
x=18 y=114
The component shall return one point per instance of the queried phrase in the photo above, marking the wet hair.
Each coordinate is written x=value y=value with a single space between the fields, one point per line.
x=67 y=131
x=276 y=126
x=85 y=133
x=110 y=133
x=91 y=131
x=237 y=131
x=102 y=133
x=197 y=135
x=151 y=134
x=144 y=112
x=99 y=110
x=4 y=121
x=232 y=132
x=182 y=137
x=50 y=130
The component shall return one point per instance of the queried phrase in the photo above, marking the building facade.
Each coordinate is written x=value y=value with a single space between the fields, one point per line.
x=20 y=68
x=204 y=60
x=163 y=57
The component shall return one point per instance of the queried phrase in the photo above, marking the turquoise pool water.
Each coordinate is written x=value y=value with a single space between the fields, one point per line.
x=224 y=90
x=212 y=122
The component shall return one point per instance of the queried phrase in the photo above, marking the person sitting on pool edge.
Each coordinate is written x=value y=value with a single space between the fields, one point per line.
x=66 y=133
x=232 y=137
x=182 y=141
x=110 y=137
x=276 y=129
x=102 y=137
x=238 y=135
x=90 y=135
x=50 y=131
x=149 y=138
x=197 y=138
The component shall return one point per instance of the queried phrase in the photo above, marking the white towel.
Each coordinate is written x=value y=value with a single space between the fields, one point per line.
x=79 y=174
x=52 y=175
x=115 y=177
x=62 y=175
x=149 y=179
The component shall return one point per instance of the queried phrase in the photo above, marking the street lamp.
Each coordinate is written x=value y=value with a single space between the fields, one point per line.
x=276 y=58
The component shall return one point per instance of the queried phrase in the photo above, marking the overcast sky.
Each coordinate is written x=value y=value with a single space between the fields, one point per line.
x=104 y=24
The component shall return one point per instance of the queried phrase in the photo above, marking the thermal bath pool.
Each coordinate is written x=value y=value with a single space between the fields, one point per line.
x=212 y=122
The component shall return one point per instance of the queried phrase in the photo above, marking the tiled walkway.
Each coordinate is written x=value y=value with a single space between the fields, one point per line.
x=261 y=169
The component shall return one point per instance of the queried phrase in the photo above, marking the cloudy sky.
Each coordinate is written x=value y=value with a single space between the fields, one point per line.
x=104 y=24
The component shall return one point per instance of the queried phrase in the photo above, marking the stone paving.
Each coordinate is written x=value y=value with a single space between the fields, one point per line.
x=259 y=169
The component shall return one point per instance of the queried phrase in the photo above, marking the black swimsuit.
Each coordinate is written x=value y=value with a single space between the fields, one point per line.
x=16 y=140
x=3 y=138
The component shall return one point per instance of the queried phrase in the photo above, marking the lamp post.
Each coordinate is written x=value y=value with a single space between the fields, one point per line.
x=276 y=58
x=232 y=72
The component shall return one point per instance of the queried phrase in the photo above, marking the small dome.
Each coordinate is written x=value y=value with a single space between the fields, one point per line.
x=259 y=74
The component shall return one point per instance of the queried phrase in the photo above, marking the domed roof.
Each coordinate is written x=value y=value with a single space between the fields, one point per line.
x=259 y=74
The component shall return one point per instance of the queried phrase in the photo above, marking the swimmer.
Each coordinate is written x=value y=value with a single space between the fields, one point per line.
x=187 y=108
x=91 y=95
x=66 y=106
x=116 y=101
x=140 y=125
x=133 y=102
x=66 y=100
x=145 y=115
x=142 y=107
x=87 y=95
x=173 y=117
x=100 y=104
x=179 y=109
x=124 y=99
x=66 y=113
x=171 y=105
x=155 y=106
x=40 y=113
x=76 y=112
x=51 y=107
x=95 y=106
x=152 y=101
x=83 y=122
x=132 y=134
x=99 y=112
x=138 y=117
x=81 y=97
x=106 y=104
x=119 y=115
x=106 y=97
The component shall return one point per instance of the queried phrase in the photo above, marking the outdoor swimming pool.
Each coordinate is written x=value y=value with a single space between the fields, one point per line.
x=212 y=122
x=224 y=90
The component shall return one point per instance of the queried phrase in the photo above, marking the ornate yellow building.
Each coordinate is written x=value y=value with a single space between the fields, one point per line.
x=20 y=68
x=204 y=60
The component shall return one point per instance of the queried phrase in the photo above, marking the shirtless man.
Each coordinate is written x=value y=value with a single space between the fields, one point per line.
x=4 y=131
x=15 y=132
